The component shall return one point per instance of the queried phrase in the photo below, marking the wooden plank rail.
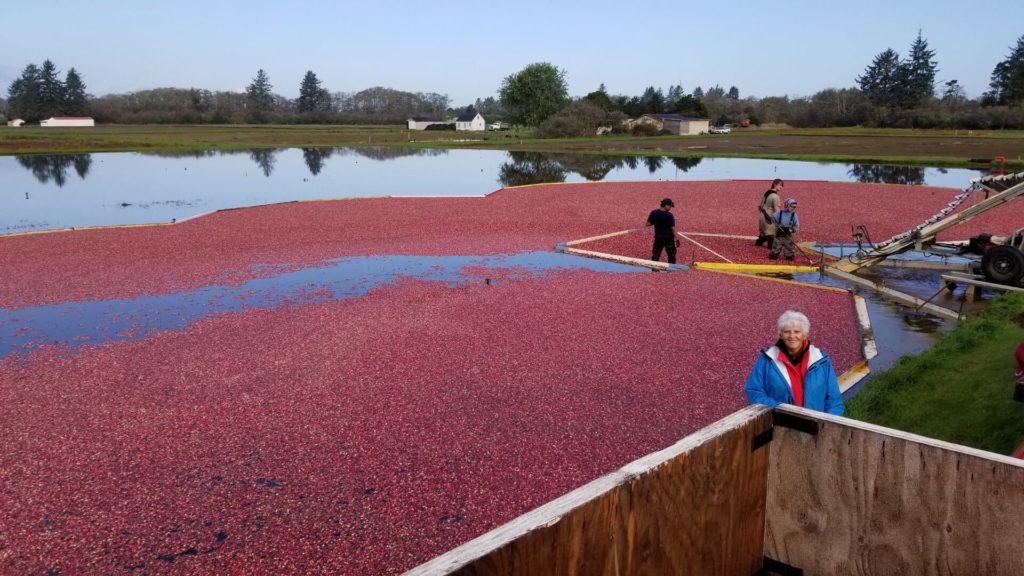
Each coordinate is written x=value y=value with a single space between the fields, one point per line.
x=696 y=507
x=896 y=295
x=789 y=491
x=861 y=499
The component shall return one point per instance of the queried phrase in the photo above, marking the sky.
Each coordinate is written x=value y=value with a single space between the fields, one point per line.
x=464 y=49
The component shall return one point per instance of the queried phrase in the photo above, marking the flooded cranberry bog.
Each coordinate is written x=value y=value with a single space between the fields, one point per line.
x=358 y=386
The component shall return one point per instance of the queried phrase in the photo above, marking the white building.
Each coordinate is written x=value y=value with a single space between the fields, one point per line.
x=675 y=124
x=418 y=123
x=68 y=121
x=16 y=122
x=471 y=121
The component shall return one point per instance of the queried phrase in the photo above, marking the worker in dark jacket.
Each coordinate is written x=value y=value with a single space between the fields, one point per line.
x=664 y=231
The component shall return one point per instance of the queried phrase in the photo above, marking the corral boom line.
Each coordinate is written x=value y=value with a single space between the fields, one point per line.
x=705 y=247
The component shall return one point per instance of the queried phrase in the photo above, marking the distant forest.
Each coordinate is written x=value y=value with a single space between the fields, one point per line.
x=893 y=91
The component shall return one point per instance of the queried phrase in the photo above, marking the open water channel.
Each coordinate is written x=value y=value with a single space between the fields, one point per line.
x=43 y=192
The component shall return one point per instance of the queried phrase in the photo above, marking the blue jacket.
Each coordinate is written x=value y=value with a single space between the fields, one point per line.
x=768 y=383
x=787 y=218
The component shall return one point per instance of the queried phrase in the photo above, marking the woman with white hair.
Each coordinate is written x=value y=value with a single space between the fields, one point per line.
x=794 y=371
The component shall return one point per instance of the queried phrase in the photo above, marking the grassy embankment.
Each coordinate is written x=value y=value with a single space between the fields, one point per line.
x=960 y=390
x=861 y=145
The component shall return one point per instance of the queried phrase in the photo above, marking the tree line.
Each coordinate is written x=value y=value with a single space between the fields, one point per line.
x=39 y=93
x=893 y=91
x=259 y=104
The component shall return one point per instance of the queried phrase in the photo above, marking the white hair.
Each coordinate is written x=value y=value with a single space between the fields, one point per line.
x=794 y=317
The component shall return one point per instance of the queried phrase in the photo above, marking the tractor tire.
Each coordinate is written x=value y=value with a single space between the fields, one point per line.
x=1003 y=265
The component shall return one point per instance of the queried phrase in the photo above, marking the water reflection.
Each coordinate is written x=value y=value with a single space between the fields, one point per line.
x=392 y=153
x=522 y=167
x=74 y=324
x=653 y=163
x=887 y=174
x=264 y=159
x=592 y=168
x=121 y=187
x=314 y=158
x=54 y=167
x=530 y=168
x=685 y=164
x=539 y=167
x=189 y=153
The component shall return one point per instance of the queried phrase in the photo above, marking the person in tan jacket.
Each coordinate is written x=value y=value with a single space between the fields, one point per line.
x=770 y=204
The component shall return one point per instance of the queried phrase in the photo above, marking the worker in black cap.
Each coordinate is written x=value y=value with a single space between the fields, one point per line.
x=664 y=231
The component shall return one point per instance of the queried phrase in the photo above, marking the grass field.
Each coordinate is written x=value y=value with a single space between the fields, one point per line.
x=863 y=145
x=961 y=390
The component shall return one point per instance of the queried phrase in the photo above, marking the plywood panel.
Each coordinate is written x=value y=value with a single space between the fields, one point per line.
x=694 y=508
x=859 y=499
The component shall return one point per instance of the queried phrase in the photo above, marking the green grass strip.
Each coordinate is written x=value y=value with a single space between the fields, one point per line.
x=960 y=390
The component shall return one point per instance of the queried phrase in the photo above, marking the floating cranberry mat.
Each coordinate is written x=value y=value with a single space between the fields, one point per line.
x=368 y=435
x=224 y=247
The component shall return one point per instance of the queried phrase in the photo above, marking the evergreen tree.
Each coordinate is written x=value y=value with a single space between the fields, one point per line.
x=1007 y=83
x=259 y=99
x=653 y=101
x=953 y=92
x=310 y=94
x=600 y=99
x=23 y=95
x=715 y=91
x=75 y=103
x=918 y=72
x=734 y=93
x=688 y=105
x=698 y=93
x=881 y=81
x=51 y=91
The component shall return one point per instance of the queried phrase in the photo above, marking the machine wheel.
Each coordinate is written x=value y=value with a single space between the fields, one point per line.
x=1003 y=265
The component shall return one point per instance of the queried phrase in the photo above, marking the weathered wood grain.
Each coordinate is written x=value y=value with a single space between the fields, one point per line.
x=696 y=507
x=858 y=499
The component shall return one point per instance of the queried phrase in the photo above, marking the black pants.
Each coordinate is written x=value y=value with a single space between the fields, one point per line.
x=669 y=244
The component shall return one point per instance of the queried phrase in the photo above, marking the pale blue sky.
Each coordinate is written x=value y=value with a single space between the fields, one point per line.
x=464 y=49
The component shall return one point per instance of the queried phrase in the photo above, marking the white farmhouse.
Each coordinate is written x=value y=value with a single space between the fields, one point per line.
x=17 y=122
x=470 y=121
x=68 y=121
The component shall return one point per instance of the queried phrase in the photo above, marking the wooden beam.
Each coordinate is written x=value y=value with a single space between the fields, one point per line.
x=851 y=377
x=696 y=507
x=601 y=237
x=974 y=281
x=867 y=333
x=755 y=268
x=922 y=264
x=627 y=260
x=896 y=295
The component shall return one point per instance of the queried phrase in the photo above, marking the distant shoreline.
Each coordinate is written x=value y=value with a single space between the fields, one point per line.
x=941 y=148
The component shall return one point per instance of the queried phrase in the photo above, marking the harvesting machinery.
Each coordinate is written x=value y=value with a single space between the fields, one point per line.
x=1001 y=258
